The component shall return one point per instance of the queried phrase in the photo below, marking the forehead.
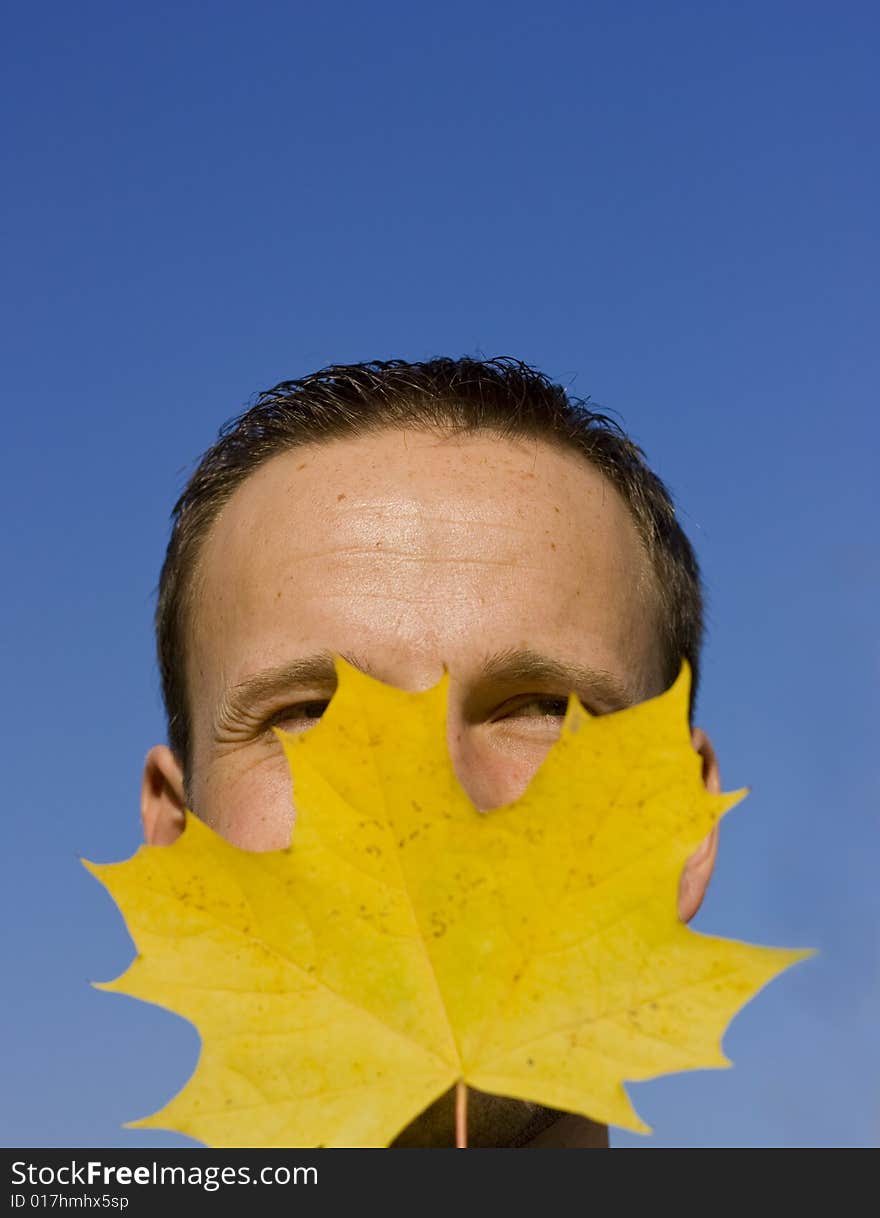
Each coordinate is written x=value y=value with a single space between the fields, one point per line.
x=418 y=544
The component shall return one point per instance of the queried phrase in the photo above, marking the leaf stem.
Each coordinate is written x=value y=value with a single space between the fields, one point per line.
x=461 y=1115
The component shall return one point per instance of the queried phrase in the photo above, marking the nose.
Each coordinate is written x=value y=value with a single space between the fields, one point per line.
x=490 y=774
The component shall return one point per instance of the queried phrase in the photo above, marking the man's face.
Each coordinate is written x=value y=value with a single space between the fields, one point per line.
x=403 y=551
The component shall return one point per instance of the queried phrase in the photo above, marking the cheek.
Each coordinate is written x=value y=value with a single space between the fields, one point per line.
x=254 y=809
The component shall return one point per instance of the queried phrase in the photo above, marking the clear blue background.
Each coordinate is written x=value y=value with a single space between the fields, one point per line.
x=671 y=207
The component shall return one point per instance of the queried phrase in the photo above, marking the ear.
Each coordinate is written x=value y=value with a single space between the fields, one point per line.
x=698 y=869
x=162 y=798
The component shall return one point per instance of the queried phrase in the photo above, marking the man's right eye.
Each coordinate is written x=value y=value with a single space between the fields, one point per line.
x=292 y=718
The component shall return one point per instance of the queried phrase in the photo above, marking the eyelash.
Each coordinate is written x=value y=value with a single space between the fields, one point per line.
x=287 y=712
x=546 y=698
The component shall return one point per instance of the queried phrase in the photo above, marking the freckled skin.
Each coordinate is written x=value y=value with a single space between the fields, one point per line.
x=411 y=549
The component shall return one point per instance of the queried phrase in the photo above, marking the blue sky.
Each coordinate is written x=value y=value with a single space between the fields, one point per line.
x=671 y=208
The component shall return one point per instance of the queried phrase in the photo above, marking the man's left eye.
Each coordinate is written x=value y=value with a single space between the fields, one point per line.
x=549 y=707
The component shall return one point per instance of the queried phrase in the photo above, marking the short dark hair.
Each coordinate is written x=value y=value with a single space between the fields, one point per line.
x=502 y=396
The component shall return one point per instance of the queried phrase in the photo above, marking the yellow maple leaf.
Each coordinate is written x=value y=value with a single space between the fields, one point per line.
x=406 y=942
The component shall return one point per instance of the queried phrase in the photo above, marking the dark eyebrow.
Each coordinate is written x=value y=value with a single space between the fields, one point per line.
x=507 y=667
x=524 y=664
x=244 y=700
